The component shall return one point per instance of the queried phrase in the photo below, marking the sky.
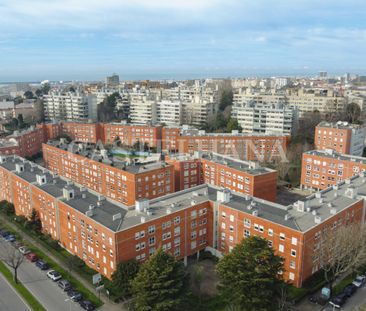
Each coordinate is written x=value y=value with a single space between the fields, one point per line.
x=177 y=39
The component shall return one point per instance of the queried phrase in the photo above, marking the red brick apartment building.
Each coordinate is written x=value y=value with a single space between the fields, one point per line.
x=24 y=143
x=107 y=133
x=104 y=232
x=321 y=169
x=223 y=171
x=93 y=169
x=249 y=147
x=342 y=137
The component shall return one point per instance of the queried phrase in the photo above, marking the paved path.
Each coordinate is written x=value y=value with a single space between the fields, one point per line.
x=108 y=305
x=9 y=298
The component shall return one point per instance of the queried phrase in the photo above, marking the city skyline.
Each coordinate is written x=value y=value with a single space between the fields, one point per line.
x=177 y=40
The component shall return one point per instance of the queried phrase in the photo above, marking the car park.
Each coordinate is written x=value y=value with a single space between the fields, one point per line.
x=87 y=305
x=64 y=285
x=350 y=289
x=42 y=265
x=32 y=257
x=24 y=250
x=359 y=281
x=339 y=300
x=54 y=275
x=10 y=238
x=75 y=295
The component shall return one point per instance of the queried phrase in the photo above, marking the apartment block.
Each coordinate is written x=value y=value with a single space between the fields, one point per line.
x=342 y=137
x=249 y=147
x=265 y=118
x=70 y=106
x=24 y=143
x=170 y=137
x=120 y=180
x=103 y=232
x=321 y=169
x=169 y=112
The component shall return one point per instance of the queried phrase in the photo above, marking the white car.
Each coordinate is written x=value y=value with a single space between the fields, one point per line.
x=24 y=250
x=359 y=281
x=54 y=275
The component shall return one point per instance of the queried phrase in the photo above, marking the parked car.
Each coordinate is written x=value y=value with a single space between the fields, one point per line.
x=87 y=305
x=4 y=233
x=10 y=238
x=54 y=275
x=24 y=250
x=32 y=257
x=64 y=285
x=359 y=281
x=42 y=265
x=75 y=295
x=339 y=300
x=350 y=289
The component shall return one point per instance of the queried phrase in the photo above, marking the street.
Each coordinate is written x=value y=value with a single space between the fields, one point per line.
x=42 y=288
x=9 y=298
x=357 y=300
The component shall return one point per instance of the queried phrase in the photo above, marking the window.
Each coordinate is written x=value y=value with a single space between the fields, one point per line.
x=177 y=220
x=223 y=214
x=294 y=241
x=151 y=229
x=151 y=240
x=291 y=276
x=193 y=234
x=223 y=225
x=292 y=264
x=293 y=253
x=281 y=248
x=231 y=228
x=193 y=244
x=261 y=229
x=232 y=218
x=256 y=227
x=193 y=214
x=270 y=232
x=282 y=236
x=176 y=231
x=246 y=233
x=247 y=223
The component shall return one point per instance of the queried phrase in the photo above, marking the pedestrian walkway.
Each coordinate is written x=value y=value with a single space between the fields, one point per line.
x=107 y=306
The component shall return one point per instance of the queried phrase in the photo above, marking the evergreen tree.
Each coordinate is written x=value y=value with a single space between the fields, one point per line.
x=160 y=284
x=233 y=124
x=249 y=275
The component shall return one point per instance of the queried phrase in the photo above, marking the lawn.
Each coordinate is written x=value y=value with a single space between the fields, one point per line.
x=27 y=296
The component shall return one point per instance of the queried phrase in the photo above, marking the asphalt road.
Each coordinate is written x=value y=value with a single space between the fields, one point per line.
x=354 y=302
x=9 y=298
x=45 y=290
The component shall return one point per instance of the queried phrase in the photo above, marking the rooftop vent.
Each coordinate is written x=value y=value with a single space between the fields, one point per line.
x=318 y=195
x=193 y=202
x=288 y=216
x=314 y=212
x=223 y=195
x=83 y=195
x=116 y=216
x=91 y=207
x=149 y=212
x=317 y=219
x=41 y=179
x=351 y=192
x=195 y=194
x=169 y=210
x=347 y=181
x=68 y=193
x=335 y=187
x=255 y=213
x=19 y=167
x=89 y=213
x=2 y=159
x=333 y=211
x=141 y=205
x=143 y=219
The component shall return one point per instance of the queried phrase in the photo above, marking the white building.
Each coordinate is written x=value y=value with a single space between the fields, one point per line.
x=70 y=107
x=265 y=118
x=142 y=109
x=169 y=112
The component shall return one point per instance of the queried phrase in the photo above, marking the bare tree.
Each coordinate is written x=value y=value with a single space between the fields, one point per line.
x=13 y=258
x=282 y=296
x=341 y=250
x=197 y=277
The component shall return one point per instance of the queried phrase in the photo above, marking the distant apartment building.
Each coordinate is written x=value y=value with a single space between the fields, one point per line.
x=265 y=118
x=121 y=180
x=103 y=232
x=225 y=172
x=143 y=110
x=70 y=107
x=169 y=112
x=112 y=80
x=323 y=168
x=341 y=136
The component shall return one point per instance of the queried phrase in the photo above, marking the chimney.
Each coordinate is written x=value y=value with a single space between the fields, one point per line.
x=223 y=195
x=116 y=216
x=19 y=167
x=68 y=193
x=41 y=179
x=141 y=205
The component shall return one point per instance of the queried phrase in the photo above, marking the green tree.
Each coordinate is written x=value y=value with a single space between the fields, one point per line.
x=233 y=124
x=39 y=92
x=120 y=286
x=74 y=262
x=353 y=112
x=21 y=123
x=160 y=285
x=46 y=88
x=28 y=95
x=250 y=274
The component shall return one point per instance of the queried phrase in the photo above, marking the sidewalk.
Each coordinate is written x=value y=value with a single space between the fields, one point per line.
x=107 y=306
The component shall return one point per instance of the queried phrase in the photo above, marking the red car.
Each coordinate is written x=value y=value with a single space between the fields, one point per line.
x=32 y=257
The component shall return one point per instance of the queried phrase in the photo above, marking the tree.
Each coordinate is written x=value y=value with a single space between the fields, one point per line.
x=21 y=123
x=197 y=277
x=39 y=110
x=46 y=88
x=74 y=262
x=233 y=124
x=160 y=285
x=249 y=274
x=340 y=250
x=353 y=112
x=39 y=93
x=28 y=95
x=225 y=95
x=13 y=258
x=120 y=286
